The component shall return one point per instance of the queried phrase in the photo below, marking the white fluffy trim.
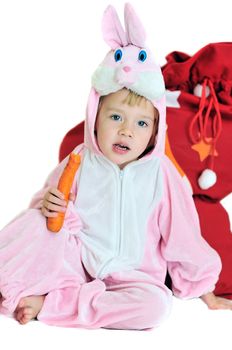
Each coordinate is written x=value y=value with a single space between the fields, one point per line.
x=207 y=179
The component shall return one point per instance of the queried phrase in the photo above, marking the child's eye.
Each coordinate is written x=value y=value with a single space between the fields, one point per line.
x=142 y=124
x=142 y=56
x=118 y=55
x=115 y=117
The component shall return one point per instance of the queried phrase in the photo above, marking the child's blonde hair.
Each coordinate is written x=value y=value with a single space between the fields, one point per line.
x=133 y=99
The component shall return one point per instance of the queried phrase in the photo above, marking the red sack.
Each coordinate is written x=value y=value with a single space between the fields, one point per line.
x=199 y=118
x=74 y=137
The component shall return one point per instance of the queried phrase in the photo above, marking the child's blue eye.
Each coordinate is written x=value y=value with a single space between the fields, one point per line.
x=118 y=55
x=142 y=56
x=115 y=117
x=142 y=124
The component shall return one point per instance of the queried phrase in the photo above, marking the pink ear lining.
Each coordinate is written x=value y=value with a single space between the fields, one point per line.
x=113 y=32
x=135 y=31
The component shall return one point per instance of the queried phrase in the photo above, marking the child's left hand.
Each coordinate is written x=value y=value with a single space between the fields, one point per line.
x=216 y=303
x=54 y=203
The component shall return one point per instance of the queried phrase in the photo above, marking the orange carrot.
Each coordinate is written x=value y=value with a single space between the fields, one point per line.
x=64 y=186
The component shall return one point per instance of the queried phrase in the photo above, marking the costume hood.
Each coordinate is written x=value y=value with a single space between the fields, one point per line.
x=129 y=64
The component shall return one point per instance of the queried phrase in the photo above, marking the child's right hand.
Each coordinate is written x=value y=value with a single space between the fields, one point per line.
x=54 y=202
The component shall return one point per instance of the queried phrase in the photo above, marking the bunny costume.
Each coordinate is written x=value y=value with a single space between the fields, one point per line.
x=126 y=228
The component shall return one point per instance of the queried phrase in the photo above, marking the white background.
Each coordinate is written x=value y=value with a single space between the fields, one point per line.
x=48 y=51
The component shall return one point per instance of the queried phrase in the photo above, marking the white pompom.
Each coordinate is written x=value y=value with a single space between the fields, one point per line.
x=207 y=179
x=198 y=90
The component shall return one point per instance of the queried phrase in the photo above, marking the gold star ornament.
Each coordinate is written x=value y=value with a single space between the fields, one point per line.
x=204 y=149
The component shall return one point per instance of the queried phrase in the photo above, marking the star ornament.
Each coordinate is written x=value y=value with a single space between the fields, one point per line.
x=204 y=149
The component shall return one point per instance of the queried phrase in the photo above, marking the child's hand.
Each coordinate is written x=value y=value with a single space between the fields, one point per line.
x=216 y=303
x=54 y=202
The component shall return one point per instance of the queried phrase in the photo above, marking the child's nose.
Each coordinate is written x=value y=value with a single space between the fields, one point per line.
x=126 y=131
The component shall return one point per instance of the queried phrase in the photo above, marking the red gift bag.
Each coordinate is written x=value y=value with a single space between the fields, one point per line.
x=74 y=137
x=199 y=118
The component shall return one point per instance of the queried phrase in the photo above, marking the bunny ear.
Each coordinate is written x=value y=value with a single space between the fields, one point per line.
x=135 y=31
x=113 y=32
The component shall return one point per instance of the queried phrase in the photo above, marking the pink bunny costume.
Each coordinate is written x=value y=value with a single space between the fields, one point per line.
x=107 y=265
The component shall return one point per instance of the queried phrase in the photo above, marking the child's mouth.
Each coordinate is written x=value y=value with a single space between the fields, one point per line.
x=120 y=148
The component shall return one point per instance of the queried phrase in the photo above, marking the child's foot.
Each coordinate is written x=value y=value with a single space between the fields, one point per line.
x=28 y=308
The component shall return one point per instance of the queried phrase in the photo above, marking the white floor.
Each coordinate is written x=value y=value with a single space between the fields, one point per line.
x=190 y=326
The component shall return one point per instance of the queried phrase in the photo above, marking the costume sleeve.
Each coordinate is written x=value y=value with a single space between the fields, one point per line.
x=52 y=181
x=193 y=265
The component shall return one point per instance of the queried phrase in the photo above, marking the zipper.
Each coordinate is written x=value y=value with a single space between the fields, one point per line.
x=119 y=226
x=121 y=177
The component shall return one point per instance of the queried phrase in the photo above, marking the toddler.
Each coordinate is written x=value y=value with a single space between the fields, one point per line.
x=131 y=218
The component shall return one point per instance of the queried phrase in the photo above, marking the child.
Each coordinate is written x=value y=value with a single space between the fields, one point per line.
x=132 y=218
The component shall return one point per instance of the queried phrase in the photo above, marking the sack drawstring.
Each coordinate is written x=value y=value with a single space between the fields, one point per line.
x=203 y=124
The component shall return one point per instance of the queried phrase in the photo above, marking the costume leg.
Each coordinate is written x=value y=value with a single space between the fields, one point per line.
x=109 y=304
x=136 y=305
x=34 y=261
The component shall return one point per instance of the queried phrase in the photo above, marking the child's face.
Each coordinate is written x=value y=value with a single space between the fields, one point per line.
x=124 y=131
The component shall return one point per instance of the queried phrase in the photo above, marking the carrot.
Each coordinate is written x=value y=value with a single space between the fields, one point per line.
x=65 y=185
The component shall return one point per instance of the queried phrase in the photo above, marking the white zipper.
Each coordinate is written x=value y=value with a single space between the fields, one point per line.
x=121 y=176
x=119 y=226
